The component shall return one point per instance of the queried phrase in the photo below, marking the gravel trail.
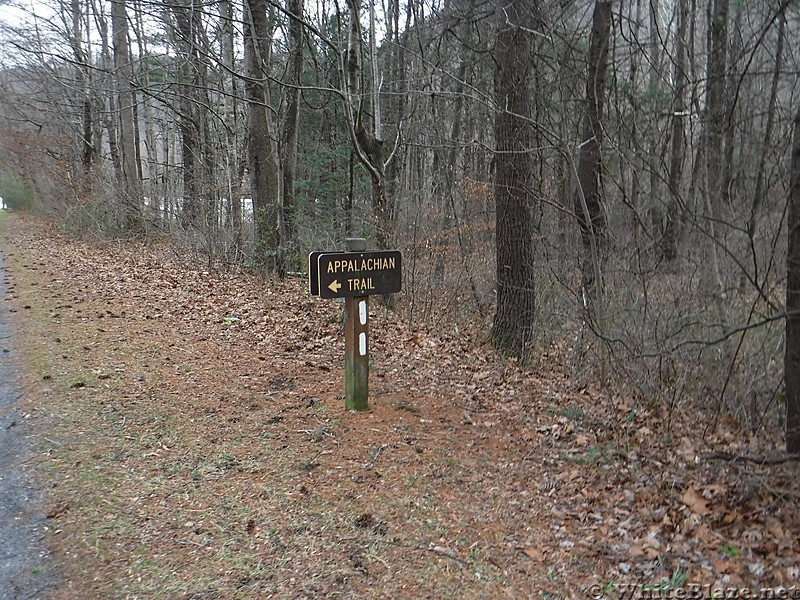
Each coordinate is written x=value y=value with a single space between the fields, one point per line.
x=26 y=571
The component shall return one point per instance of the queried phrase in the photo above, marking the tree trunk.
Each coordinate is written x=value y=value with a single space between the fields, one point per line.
x=83 y=69
x=368 y=145
x=791 y=367
x=292 y=127
x=758 y=195
x=149 y=162
x=189 y=113
x=654 y=153
x=638 y=160
x=397 y=41
x=715 y=128
x=514 y=316
x=230 y=112
x=130 y=184
x=672 y=217
x=729 y=173
x=588 y=204
x=264 y=174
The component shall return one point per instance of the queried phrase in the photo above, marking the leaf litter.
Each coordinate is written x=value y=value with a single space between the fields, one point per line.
x=195 y=444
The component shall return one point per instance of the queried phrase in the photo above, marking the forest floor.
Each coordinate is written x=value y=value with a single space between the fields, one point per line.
x=196 y=445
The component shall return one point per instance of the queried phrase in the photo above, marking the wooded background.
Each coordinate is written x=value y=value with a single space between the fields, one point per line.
x=601 y=184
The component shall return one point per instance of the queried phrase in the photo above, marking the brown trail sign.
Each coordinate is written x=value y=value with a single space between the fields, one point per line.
x=355 y=275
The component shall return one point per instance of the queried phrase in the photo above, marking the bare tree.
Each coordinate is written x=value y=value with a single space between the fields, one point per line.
x=366 y=129
x=83 y=68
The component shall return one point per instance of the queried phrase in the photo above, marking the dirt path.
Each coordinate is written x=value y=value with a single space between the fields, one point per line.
x=25 y=566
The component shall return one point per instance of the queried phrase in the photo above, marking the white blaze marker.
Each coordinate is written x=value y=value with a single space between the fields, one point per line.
x=362 y=312
x=362 y=343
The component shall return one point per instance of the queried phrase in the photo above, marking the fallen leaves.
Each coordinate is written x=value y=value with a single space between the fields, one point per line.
x=695 y=501
x=214 y=400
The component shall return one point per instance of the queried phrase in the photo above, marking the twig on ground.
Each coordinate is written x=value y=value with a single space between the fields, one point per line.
x=764 y=460
x=371 y=465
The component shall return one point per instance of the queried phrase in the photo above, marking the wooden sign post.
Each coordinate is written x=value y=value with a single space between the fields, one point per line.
x=355 y=275
x=356 y=344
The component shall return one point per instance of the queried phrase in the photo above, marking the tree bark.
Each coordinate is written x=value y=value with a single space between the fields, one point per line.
x=130 y=184
x=758 y=195
x=369 y=146
x=715 y=127
x=791 y=372
x=292 y=126
x=512 y=328
x=192 y=117
x=672 y=217
x=734 y=49
x=264 y=173
x=230 y=113
x=83 y=71
x=654 y=151
x=588 y=203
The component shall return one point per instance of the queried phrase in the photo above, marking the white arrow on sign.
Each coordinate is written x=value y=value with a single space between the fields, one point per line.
x=334 y=286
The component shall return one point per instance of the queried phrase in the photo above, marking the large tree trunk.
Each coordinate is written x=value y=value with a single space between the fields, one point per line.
x=792 y=360
x=588 y=203
x=264 y=173
x=108 y=101
x=130 y=184
x=191 y=114
x=514 y=317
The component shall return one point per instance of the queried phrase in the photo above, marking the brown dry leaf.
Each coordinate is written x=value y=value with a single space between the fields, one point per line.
x=652 y=552
x=58 y=510
x=695 y=501
x=687 y=450
x=775 y=529
x=723 y=566
x=533 y=553
x=705 y=535
x=730 y=517
x=635 y=550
